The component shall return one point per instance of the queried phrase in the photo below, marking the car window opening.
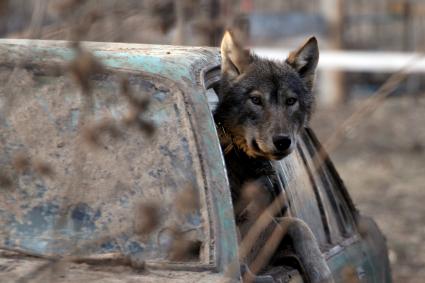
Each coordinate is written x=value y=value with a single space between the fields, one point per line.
x=253 y=199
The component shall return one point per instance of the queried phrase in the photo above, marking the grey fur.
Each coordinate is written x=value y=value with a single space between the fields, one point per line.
x=251 y=127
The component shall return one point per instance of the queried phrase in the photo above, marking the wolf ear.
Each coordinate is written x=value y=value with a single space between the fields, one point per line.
x=234 y=58
x=304 y=60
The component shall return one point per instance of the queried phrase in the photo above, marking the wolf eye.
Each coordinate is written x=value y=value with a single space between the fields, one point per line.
x=256 y=100
x=291 y=101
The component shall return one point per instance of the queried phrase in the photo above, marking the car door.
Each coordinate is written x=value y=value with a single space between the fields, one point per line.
x=303 y=203
x=352 y=256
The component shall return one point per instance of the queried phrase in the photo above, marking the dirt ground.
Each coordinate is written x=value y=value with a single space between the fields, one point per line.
x=382 y=162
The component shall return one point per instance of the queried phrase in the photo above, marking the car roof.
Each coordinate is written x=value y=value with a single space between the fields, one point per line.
x=178 y=63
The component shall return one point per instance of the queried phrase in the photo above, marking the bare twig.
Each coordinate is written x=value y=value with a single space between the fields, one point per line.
x=260 y=225
x=368 y=107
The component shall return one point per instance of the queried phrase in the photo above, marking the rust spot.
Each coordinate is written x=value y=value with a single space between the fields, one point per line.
x=94 y=133
x=140 y=103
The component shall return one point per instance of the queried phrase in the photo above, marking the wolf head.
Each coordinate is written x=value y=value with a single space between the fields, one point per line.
x=263 y=104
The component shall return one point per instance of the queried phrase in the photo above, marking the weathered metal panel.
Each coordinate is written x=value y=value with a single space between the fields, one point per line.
x=94 y=192
x=57 y=214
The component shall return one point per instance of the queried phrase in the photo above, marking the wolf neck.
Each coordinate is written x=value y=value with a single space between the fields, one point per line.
x=232 y=145
x=229 y=142
x=225 y=138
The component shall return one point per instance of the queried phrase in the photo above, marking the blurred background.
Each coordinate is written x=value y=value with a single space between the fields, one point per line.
x=370 y=87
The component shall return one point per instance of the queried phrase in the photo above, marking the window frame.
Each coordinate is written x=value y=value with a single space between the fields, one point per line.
x=293 y=205
x=342 y=205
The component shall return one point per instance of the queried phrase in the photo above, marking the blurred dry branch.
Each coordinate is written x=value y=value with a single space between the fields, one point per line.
x=37 y=19
x=266 y=217
x=4 y=6
x=52 y=261
x=187 y=22
x=5 y=180
x=349 y=274
x=83 y=67
x=42 y=273
x=368 y=107
x=147 y=218
x=138 y=106
x=43 y=168
x=21 y=162
x=269 y=247
x=94 y=134
x=64 y=6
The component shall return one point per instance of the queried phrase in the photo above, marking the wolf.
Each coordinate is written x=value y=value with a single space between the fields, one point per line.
x=262 y=107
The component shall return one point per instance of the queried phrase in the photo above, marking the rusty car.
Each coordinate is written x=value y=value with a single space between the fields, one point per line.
x=71 y=201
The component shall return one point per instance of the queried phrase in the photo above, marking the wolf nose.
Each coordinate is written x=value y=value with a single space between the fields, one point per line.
x=282 y=142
